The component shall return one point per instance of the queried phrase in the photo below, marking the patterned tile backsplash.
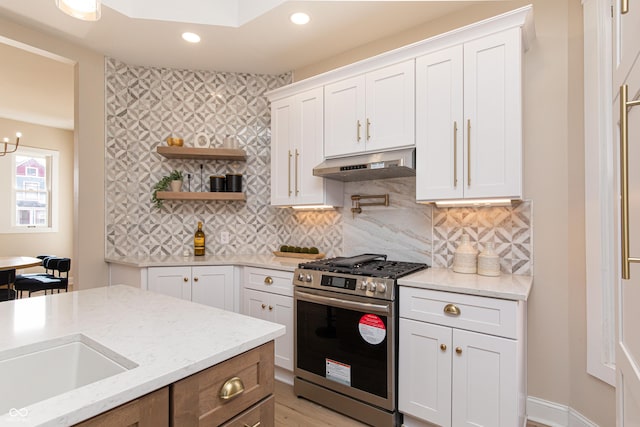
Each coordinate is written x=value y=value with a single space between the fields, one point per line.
x=146 y=105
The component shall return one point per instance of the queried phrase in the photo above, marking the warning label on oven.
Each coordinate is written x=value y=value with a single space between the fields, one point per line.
x=372 y=329
x=338 y=372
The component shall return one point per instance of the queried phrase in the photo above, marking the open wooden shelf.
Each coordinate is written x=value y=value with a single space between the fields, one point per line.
x=199 y=195
x=172 y=152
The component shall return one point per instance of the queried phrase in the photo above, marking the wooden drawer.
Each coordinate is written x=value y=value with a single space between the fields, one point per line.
x=151 y=410
x=196 y=400
x=263 y=415
x=481 y=314
x=274 y=281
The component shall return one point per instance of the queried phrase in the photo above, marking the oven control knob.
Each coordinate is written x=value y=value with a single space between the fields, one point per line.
x=371 y=286
x=381 y=288
x=300 y=277
x=308 y=278
x=363 y=285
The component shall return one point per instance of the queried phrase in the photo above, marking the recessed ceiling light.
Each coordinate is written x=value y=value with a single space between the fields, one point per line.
x=300 y=18
x=191 y=37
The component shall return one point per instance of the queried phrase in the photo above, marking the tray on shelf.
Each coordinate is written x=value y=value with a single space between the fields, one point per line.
x=298 y=255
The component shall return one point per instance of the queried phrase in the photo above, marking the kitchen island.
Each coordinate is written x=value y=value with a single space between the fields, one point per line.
x=159 y=340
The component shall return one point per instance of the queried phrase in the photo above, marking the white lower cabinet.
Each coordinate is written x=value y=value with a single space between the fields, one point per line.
x=268 y=295
x=208 y=285
x=450 y=376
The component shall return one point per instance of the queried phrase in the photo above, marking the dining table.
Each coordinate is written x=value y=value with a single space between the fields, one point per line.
x=16 y=262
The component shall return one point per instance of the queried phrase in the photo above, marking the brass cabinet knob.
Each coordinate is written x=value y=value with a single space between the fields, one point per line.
x=270 y=307
x=459 y=350
x=264 y=306
x=186 y=279
x=195 y=279
x=231 y=388
x=452 y=309
x=268 y=280
x=443 y=347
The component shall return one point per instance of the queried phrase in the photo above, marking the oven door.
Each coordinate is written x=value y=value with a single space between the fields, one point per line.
x=346 y=343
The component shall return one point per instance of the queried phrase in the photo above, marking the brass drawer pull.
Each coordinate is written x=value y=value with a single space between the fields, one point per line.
x=232 y=388
x=268 y=280
x=452 y=309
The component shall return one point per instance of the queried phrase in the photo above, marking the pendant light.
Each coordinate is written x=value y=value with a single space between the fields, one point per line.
x=87 y=10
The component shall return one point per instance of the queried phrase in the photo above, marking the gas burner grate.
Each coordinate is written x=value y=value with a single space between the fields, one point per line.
x=365 y=265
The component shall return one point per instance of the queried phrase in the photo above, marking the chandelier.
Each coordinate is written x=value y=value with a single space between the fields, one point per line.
x=87 y=10
x=6 y=143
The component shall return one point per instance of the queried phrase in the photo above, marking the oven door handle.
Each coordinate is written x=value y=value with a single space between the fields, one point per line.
x=343 y=303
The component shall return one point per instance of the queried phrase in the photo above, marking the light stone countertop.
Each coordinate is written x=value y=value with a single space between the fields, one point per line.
x=505 y=286
x=260 y=261
x=169 y=339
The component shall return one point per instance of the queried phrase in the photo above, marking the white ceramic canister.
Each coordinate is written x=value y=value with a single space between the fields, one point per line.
x=489 y=261
x=465 y=257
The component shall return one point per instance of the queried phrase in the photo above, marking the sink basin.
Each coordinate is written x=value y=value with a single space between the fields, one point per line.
x=42 y=370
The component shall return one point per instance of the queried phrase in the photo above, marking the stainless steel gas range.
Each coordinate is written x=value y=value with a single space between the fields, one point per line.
x=345 y=333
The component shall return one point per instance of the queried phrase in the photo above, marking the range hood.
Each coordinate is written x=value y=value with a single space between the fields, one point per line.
x=388 y=164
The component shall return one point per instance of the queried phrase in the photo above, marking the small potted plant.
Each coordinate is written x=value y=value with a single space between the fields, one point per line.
x=174 y=179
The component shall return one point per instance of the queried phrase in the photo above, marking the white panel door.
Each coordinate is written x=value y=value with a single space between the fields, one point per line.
x=390 y=107
x=213 y=286
x=255 y=303
x=281 y=311
x=628 y=293
x=172 y=281
x=344 y=117
x=439 y=125
x=485 y=381
x=626 y=28
x=493 y=116
x=282 y=133
x=424 y=379
x=308 y=147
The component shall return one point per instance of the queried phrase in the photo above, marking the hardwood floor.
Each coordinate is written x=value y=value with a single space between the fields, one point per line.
x=292 y=411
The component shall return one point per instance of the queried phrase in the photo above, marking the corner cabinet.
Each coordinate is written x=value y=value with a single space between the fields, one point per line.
x=464 y=369
x=208 y=285
x=192 y=153
x=296 y=148
x=268 y=295
x=469 y=119
x=370 y=112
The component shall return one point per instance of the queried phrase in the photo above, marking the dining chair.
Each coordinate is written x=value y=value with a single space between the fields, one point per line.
x=56 y=279
x=7 y=278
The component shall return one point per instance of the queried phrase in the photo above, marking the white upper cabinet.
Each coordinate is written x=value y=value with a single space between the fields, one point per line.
x=469 y=120
x=371 y=112
x=296 y=147
x=626 y=33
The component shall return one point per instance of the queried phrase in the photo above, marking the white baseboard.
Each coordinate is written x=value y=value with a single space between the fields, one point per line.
x=555 y=415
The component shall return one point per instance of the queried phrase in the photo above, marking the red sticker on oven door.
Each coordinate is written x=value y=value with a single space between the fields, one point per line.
x=372 y=329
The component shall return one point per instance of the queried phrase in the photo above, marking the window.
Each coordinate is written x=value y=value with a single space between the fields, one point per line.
x=33 y=185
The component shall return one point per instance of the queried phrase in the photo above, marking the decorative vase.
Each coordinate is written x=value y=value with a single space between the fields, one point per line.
x=489 y=261
x=465 y=257
x=176 y=185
